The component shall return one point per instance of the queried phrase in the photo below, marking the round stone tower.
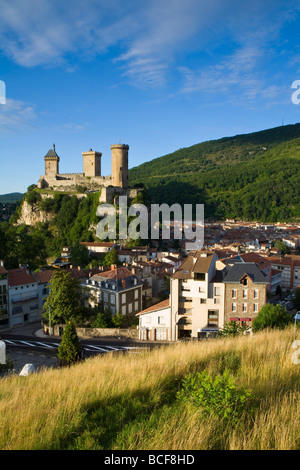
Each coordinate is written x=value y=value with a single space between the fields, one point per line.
x=119 y=165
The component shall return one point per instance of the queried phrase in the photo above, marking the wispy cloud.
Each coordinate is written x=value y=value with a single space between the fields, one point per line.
x=16 y=115
x=148 y=41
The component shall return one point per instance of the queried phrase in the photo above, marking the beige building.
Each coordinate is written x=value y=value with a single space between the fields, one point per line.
x=197 y=297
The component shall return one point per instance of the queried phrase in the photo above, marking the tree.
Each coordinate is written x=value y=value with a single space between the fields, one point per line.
x=272 y=316
x=69 y=350
x=80 y=255
x=118 y=320
x=296 y=300
x=111 y=257
x=65 y=300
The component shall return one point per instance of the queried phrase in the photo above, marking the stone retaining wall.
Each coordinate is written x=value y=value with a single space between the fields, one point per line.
x=131 y=333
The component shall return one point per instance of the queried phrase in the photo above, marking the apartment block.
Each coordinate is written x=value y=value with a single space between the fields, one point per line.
x=117 y=289
x=245 y=292
x=23 y=297
x=197 y=297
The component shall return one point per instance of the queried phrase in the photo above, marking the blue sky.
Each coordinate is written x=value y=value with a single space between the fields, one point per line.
x=156 y=75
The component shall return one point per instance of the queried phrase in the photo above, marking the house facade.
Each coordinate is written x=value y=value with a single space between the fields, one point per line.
x=245 y=292
x=117 y=289
x=197 y=297
x=154 y=322
x=23 y=297
x=4 y=314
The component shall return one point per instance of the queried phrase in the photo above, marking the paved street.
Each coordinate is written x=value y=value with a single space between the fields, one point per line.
x=29 y=345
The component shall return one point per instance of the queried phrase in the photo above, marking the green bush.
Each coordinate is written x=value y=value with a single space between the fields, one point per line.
x=215 y=395
x=272 y=316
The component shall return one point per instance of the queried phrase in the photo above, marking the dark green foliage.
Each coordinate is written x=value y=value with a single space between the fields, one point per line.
x=296 y=300
x=215 y=395
x=65 y=300
x=272 y=316
x=69 y=350
x=250 y=177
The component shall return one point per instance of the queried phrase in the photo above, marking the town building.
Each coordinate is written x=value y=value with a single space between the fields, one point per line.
x=245 y=292
x=154 y=322
x=197 y=297
x=4 y=314
x=23 y=297
x=117 y=289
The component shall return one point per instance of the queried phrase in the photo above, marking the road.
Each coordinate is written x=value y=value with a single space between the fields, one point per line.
x=28 y=344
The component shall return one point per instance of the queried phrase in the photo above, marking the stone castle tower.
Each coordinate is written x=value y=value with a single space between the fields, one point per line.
x=91 y=163
x=91 y=178
x=119 y=165
x=51 y=163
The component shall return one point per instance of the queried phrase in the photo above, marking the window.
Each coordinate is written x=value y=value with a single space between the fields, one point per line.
x=105 y=297
x=123 y=298
x=136 y=306
x=245 y=307
x=216 y=300
x=213 y=317
x=234 y=293
x=112 y=299
x=255 y=308
x=203 y=301
x=245 y=293
x=217 y=290
x=256 y=293
x=130 y=308
x=161 y=320
x=136 y=294
x=124 y=310
x=233 y=307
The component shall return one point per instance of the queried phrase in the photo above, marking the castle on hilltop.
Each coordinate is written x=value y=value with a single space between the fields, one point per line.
x=91 y=176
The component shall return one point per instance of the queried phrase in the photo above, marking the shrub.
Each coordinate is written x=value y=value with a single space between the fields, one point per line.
x=69 y=350
x=215 y=395
x=272 y=316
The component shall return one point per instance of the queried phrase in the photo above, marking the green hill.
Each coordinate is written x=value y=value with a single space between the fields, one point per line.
x=10 y=198
x=252 y=176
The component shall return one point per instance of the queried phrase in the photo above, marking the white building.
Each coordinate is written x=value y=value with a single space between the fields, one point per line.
x=23 y=297
x=154 y=322
x=197 y=297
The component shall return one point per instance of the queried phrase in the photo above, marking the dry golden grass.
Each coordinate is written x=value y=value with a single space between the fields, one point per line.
x=52 y=408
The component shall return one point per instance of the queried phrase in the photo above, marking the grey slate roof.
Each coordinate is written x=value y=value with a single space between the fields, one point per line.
x=52 y=152
x=238 y=270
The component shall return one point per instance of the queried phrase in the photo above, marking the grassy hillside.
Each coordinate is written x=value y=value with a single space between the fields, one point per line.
x=252 y=176
x=129 y=402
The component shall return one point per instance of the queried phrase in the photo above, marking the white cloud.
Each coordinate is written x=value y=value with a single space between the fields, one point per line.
x=150 y=40
x=16 y=115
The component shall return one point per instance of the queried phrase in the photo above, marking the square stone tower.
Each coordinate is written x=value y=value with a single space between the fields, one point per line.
x=91 y=163
x=51 y=163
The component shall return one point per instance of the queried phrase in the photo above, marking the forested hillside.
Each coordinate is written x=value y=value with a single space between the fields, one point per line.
x=251 y=177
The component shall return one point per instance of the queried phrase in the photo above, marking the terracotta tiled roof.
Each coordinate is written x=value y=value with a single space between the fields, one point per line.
x=19 y=277
x=43 y=276
x=159 y=306
x=118 y=273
